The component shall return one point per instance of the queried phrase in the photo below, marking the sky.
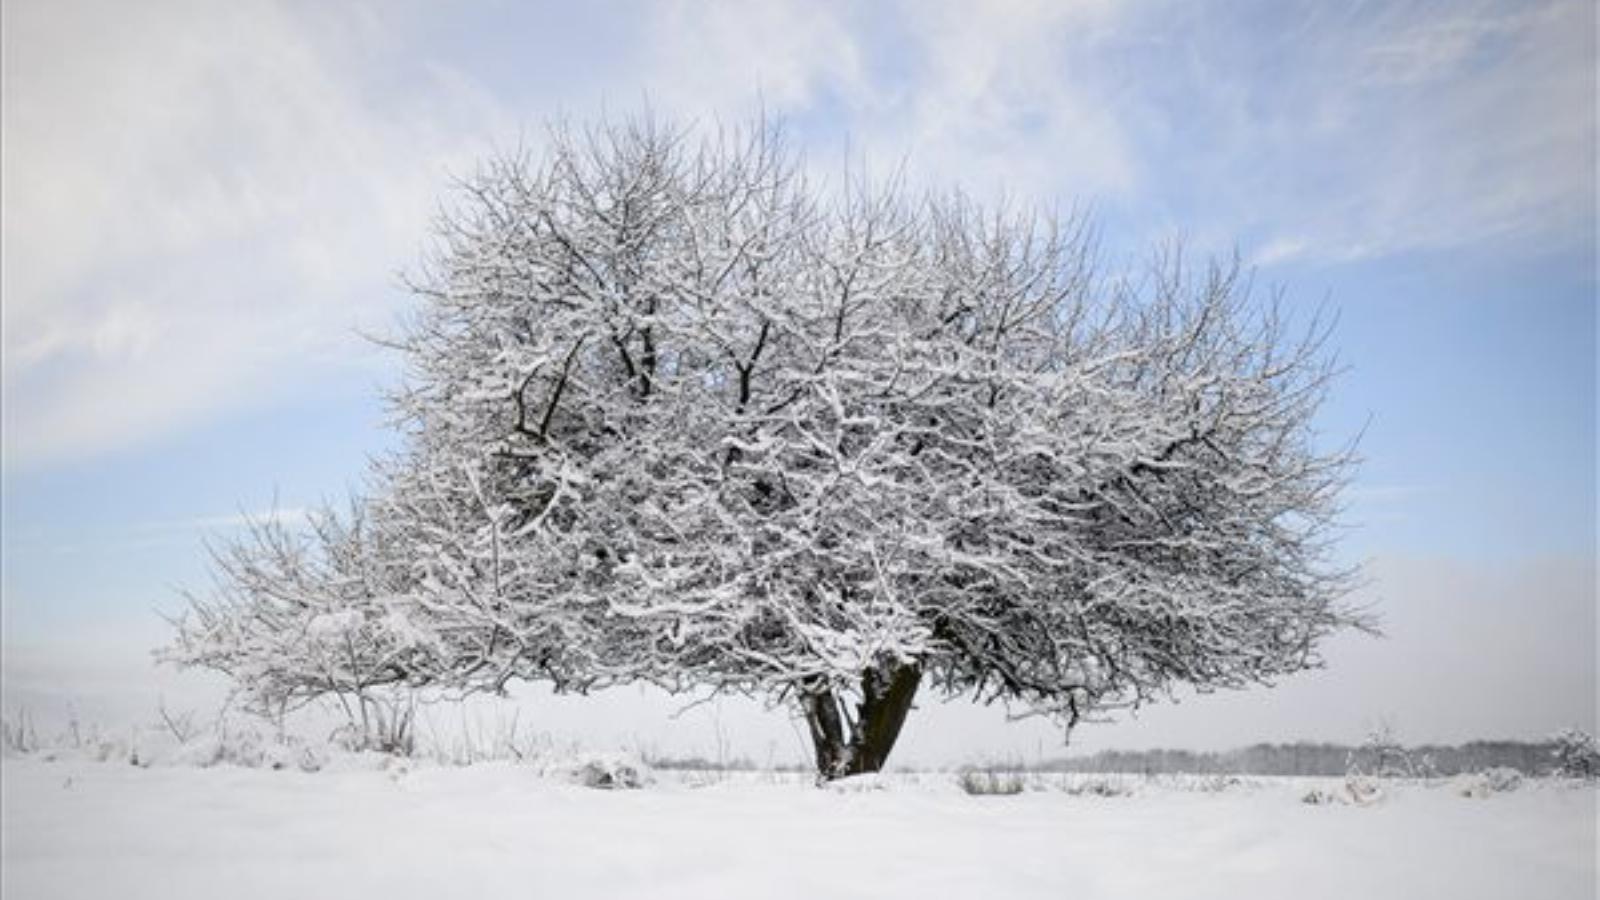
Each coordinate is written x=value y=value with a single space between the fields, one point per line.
x=207 y=209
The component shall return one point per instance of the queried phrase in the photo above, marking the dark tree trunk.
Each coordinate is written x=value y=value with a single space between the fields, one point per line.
x=847 y=745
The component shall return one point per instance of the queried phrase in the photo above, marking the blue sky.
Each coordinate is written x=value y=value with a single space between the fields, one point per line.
x=206 y=203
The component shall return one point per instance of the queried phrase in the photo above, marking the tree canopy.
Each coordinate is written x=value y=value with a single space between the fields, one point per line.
x=673 y=414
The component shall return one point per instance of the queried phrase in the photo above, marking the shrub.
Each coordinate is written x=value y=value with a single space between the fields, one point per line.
x=1498 y=780
x=611 y=771
x=1216 y=784
x=987 y=782
x=1382 y=756
x=1099 y=787
x=1576 y=754
x=1363 y=790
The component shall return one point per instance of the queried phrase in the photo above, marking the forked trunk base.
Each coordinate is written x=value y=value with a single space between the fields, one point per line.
x=853 y=745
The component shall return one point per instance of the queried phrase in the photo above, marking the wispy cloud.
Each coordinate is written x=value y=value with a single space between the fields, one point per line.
x=987 y=99
x=288 y=515
x=1432 y=126
x=202 y=204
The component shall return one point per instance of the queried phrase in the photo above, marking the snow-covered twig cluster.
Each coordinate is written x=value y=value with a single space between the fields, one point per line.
x=675 y=416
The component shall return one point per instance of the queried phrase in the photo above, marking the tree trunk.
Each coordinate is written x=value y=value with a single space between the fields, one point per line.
x=847 y=745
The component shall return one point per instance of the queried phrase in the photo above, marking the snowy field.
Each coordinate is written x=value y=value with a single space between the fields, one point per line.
x=76 y=829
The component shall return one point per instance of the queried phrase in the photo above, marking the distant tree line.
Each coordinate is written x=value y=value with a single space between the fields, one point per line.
x=1312 y=759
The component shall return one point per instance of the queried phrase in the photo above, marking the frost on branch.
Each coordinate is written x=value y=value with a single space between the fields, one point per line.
x=673 y=415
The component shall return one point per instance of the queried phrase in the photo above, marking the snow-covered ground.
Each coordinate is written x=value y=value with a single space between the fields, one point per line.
x=101 y=830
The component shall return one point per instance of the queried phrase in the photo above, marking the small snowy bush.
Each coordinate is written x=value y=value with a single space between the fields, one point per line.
x=1381 y=755
x=1356 y=790
x=1576 y=754
x=1216 y=784
x=18 y=735
x=248 y=748
x=159 y=747
x=1498 y=780
x=1320 y=797
x=1363 y=790
x=1099 y=786
x=611 y=771
x=989 y=782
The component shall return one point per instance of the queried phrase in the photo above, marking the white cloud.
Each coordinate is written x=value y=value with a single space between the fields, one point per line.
x=714 y=58
x=1429 y=127
x=1314 y=133
x=980 y=96
x=288 y=515
x=202 y=202
x=1279 y=249
x=999 y=104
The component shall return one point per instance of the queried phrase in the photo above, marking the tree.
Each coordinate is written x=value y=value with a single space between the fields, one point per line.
x=1576 y=754
x=672 y=415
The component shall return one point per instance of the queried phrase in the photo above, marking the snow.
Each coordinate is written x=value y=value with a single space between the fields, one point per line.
x=364 y=827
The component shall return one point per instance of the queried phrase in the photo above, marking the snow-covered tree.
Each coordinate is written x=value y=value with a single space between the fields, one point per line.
x=1382 y=755
x=673 y=415
x=1576 y=754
